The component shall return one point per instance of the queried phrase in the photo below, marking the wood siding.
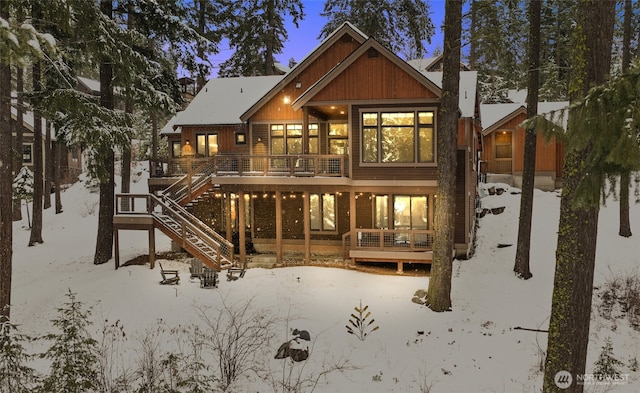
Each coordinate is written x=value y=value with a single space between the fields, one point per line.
x=276 y=109
x=374 y=78
x=548 y=154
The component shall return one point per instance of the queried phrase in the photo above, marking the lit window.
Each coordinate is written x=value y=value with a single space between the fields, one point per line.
x=322 y=212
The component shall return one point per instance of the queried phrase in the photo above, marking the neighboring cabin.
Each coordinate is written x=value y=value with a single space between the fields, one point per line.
x=503 y=145
x=336 y=157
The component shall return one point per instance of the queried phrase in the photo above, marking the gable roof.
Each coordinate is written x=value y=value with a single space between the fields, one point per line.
x=342 y=66
x=494 y=115
x=223 y=100
x=346 y=28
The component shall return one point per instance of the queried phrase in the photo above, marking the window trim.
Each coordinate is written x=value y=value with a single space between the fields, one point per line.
x=30 y=147
x=416 y=126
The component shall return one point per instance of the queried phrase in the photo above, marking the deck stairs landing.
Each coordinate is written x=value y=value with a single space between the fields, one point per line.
x=171 y=218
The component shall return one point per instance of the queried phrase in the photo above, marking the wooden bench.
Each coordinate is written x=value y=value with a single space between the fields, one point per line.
x=209 y=278
x=169 y=277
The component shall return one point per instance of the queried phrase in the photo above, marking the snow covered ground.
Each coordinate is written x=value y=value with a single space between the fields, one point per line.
x=474 y=348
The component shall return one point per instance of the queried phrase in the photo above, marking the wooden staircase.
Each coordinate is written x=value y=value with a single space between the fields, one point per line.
x=172 y=219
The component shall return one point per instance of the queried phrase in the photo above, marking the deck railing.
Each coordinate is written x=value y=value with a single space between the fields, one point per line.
x=256 y=165
x=388 y=240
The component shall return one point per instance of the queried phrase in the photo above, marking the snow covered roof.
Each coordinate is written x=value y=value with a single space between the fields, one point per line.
x=517 y=96
x=493 y=115
x=169 y=127
x=223 y=100
x=27 y=118
x=423 y=64
x=468 y=90
x=90 y=84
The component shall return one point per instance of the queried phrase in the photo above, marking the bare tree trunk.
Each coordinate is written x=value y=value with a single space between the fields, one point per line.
x=104 y=243
x=38 y=176
x=522 y=266
x=19 y=139
x=624 y=229
x=578 y=227
x=57 y=176
x=439 y=291
x=125 y=179
x=6 y=161
x=48 y=168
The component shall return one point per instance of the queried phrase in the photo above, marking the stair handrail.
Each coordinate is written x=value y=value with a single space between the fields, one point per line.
x=223 y=248
x=193 y=180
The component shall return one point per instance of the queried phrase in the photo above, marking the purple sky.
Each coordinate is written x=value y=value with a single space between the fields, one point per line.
x=304 y=39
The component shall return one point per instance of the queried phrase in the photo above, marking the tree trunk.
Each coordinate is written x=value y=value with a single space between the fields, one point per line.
x=38 y=175
x=522 y=266
x=578 y=227
x=6 y=213
x=624 y=229
x=201 y=78
x=48 y=168
x=57 y=178
x=269 y=60
x=125 y=180
x=439 y=291
x=19 y=140
x=104 y=243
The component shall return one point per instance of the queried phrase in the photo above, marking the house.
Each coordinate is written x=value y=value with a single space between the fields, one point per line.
x=336 y=157
x=503 y=145
x=70 y=157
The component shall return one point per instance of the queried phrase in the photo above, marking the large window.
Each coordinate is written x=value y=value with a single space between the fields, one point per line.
x=287 y=138
x=207 y=144
x=322 y=212
x=410 y=212
x=338 y=138
x=381 y=212
x=176 y=149
x=398 y=137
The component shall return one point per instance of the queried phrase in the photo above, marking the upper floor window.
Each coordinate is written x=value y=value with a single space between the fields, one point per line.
x=176 y=149
x=207 y=144
x=27 y=153
x=338 y=138
x=398 y=137
x=313 y=138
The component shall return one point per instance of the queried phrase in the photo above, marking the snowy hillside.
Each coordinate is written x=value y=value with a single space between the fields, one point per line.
x=474 y=348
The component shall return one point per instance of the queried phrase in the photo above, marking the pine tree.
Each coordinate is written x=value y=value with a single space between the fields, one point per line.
x=17 y=43
x=521 y=266
x=38 y=167
x=16 y=376
x=72 y=351
x=583 y=179
x=257 y=33
x=412 y=26
x=497 y=32
x=439 y=291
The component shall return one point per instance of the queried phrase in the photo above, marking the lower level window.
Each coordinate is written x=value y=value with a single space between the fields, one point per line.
x=322 y=212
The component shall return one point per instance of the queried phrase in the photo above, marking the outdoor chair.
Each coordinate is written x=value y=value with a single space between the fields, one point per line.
x=169 y=277
x=209 y=278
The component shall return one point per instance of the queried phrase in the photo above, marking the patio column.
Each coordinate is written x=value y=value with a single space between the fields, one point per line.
x=227 y=215
x=306 y=209
x=241 y=227
x=278 y=227
x=352 y=222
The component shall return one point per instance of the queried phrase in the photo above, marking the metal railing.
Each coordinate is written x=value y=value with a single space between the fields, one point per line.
x=388 y=240
x=256 y=165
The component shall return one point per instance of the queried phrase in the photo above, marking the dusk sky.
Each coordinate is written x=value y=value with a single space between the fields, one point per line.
x=305 y=38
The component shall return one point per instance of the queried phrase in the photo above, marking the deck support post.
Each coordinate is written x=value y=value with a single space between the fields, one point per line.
x=278 y=227
x=227 y=215
x=116 y=246
x=352 y=224
x=400 y=267
x=152 y=247
x=306 y=207
x=241 y=227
